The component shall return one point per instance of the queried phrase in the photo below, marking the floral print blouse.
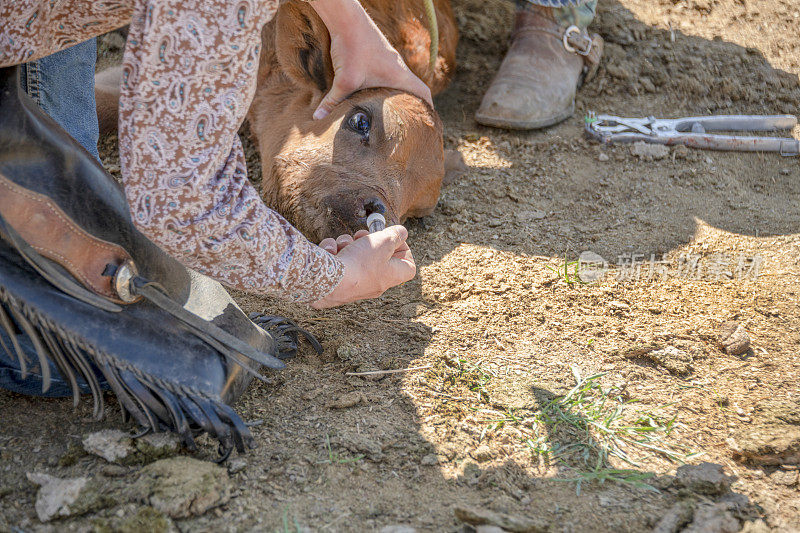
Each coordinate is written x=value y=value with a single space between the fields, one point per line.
x=189 y=74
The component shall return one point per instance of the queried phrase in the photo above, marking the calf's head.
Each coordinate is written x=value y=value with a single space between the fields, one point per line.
x=379 y=150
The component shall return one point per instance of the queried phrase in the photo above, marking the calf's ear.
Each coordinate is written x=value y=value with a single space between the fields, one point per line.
x=302 y=46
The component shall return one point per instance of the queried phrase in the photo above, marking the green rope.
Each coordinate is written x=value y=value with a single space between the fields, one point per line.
x=433 y=30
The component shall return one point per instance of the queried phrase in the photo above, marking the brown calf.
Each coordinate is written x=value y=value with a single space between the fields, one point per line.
x=379 y=150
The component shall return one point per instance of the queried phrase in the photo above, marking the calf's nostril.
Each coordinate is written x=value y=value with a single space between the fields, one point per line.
x=374 y=205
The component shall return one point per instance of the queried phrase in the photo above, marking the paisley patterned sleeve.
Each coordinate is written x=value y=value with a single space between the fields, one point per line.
x=30 y=29
x=189 y=76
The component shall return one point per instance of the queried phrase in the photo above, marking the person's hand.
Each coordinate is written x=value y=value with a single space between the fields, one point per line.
x=362 y=56
x=334 y=246
x=373 y=263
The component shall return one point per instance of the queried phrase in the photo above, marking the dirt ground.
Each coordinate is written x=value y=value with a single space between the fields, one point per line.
x=507 y=411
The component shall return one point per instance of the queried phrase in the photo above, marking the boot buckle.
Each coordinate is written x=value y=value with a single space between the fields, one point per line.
x=577 y=41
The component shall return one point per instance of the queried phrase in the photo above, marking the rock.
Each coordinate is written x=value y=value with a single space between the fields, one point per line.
x=397 y=528
x=705 y=478
x=236 y=465
x=603 y=157
x=56 y=495
x=116 y=446
x=787 y=478
x=616 y=305
x=531 y=215
x=778 y=412
x=648 y=151
x=674 y=360
x=768 y=444
x=733 y=338
x=675 y=518
x=411 y=310
x=680 y=151
x=516 y=524
x=359 y=444
x=714 y=518
x=639 y=350
x=181 y=486
x=347 y=400
x=144 y=519
x=112 y=445
x=430 y=460
x=482 y=454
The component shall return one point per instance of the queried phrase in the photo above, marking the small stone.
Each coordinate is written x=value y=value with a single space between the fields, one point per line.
x=603 y=157
x=482 y=454
x=112 y=445
x=531 y=215
x=733 y=338
x=236 y=465
x=181 y=487
x=347 y=400
x=680 y=151
x=784 y=477
x=56 y=495
x=714 y=518
x=648 y=151
x=515 y=524
x=360 y=444
x=616 y=305
x=430 y=460
x=411 y=310
x=786 y=171
x=705 y=478
x=116 y=446
x=677 y=515
x=154 y=446
x=676 y=361
x=345 y=352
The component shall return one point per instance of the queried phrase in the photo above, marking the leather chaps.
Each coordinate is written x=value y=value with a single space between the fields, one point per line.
x=82 y=288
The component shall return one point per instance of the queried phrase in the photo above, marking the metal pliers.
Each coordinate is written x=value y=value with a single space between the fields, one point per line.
x=693 y=131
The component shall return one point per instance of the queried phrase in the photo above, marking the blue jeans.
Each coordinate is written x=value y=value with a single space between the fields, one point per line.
x=63 y=86
x=567 y=12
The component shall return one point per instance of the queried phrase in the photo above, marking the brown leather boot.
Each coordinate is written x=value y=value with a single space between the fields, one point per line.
x=536 y=83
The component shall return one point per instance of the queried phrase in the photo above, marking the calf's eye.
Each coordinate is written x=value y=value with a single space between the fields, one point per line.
x=360 y=123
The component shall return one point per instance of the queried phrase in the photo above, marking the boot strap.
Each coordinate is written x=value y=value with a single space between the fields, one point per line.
x=573 y=39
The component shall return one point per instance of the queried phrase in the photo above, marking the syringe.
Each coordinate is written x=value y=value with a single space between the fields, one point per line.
x=376 y=222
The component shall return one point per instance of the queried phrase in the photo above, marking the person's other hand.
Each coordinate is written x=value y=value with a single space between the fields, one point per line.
x=362 y=56
x=373 y=263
